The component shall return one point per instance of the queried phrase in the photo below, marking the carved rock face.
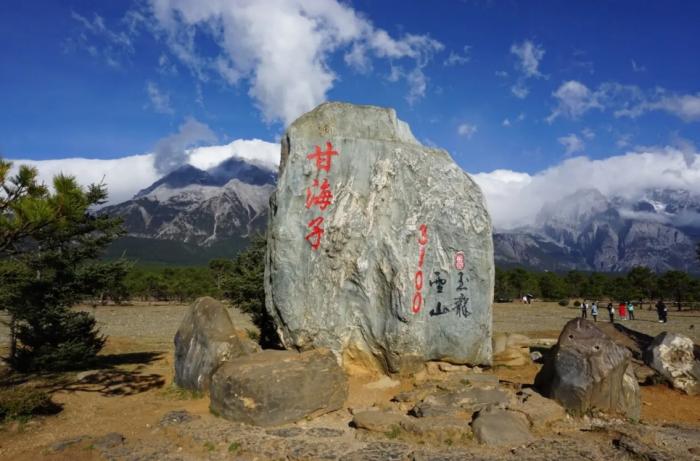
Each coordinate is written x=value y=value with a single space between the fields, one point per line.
x=589 y=370
x=379 y=248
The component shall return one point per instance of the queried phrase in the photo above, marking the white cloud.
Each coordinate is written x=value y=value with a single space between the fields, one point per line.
x=125 y=176
x=467 y=130
x=172 y=151
x=519 y=90
x=282 y=48
x=99 y=41
x=572 y=144
x=529 y=54
x=159 y=100
x=623 y=140
x=686 y=107
x=515 y=198
x=455 y=59
x=573 y=100
x=588 y=133
x=506 y=122
x=637 y=67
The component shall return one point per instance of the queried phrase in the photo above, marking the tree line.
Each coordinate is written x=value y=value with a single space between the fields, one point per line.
x=640 y=284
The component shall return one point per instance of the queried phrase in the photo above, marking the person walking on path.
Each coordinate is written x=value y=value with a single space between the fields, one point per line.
x=662 y=311
x=621 y=311
x=611 y=312
x=594 y=311
x=584 y=310
x=630 y=310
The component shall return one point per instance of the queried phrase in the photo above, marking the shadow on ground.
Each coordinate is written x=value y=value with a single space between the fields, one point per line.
x=110 y=376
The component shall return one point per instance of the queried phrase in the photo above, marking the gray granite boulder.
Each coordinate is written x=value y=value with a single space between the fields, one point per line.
x=278 y=387
x=588 y=370
x=379 y=248
x=673 y=356
x=495 y=426
x=206 y=337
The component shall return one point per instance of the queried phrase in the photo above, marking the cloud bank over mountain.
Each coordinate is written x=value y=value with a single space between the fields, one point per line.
x=514 y=198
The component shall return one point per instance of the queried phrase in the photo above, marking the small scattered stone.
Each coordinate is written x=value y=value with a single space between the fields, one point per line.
x=324 y=432
x=536 y=356
x=379 y=421
x=109 y=441
x=286 y=432
x=177 y=417
x=65 y=443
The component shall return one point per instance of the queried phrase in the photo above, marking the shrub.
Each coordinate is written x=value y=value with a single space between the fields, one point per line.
x=23 y=402
x=577 y=303
x=564 y=302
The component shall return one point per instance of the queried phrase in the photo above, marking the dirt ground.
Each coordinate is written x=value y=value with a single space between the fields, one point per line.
x=133 y=391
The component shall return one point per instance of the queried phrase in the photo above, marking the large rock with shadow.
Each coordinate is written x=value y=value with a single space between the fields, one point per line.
x=676 y=358
x=205 y=339
x=378 y=248
x=278 y=387
x=588 y=370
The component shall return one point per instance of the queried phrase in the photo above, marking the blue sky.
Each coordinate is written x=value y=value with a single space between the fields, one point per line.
x=510 y=85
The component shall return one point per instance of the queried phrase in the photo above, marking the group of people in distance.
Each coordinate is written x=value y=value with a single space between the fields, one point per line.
x=625 y=311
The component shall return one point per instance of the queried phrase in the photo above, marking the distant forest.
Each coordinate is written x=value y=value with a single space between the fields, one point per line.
x=223 y=278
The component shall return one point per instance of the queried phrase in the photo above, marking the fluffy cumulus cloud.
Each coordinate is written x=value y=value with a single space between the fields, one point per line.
x=572 y=144
x=282 y=48
x=515 y=198
x=125 y=176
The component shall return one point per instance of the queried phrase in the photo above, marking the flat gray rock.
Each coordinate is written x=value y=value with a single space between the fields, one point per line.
x=499 y=427
x=379 y=248
x=278 y=387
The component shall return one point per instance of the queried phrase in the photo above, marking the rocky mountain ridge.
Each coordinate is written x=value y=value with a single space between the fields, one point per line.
x=222 y=206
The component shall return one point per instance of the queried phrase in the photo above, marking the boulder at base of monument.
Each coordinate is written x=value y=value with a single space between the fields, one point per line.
x=673 y=357
x=379 y=248
x=588 y=370
x=278 y=387
x=206 y=338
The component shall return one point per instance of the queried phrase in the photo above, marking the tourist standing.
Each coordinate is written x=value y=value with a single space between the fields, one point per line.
x=622 y=310
x=611 y=312
x=630 y=310
x=662 y=311
x=594 y=311
x=584 y=310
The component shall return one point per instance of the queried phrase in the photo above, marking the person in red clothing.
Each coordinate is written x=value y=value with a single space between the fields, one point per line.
x=622 y=311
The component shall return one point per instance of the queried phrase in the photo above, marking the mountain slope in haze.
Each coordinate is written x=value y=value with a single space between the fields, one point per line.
x=588 y=231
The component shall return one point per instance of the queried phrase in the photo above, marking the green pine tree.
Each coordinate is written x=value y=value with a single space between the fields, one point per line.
x=50 y=242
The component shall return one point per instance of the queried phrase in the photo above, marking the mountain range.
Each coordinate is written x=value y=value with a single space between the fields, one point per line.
x=191 y=215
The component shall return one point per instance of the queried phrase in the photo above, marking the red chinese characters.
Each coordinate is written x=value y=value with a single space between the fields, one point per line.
x=320 y=193
x=323 y=198
x=323 y=158
x=314 y=237
x=417 y=303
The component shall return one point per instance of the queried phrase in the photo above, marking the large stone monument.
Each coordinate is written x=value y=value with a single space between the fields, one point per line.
x=379 y=248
